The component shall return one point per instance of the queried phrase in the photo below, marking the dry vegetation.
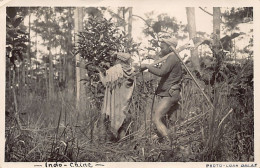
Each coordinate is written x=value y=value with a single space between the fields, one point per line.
x=39 y=129
x=50 y=132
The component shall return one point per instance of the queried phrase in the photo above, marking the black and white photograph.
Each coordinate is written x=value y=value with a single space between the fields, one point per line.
x=91 y=85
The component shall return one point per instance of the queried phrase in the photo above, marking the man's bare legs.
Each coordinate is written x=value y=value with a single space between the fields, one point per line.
x=162 y=108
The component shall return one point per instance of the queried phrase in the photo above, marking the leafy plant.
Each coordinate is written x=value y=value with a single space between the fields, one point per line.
x=235 y=16
x=164 y=26
x=16 y=38
x=97 y=43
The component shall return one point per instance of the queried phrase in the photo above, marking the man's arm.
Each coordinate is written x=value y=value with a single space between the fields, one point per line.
x=165 y=68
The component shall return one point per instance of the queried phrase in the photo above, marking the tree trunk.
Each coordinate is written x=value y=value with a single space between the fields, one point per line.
x=46 y=80
x=51 y=88
x=16 y=114
x=216 y=25
x=119 y=16
x=61 y=67
x=234 y=49
x=213 y=113
x=23 y=67
x=80 y=71
x=9 y=73
x=130 y=20
x=61 y=63
x=64 y=64
x=190 y=11
x=36 y=51
x=70 y=69
x=123 y=15
x=29 y=48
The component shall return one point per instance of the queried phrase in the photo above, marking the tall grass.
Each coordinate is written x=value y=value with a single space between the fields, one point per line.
x=224 y=133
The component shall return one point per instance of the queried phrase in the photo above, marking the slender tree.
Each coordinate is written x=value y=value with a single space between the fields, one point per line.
x=216 y=25
x=80 y=71
x=190 y=11
x=16 y=48
x=130 y=20
x=70 y=69
x=216 y=51
x=51 y=87
x=29 y=45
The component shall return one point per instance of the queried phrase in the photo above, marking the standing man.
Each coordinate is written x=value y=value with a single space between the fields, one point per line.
x=168 y=89
x=117 y=97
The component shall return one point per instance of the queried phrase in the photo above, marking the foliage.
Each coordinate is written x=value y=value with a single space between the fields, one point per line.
x=16 y=38
x=44 y=141
x=98 y=39
x=230 y=87
x=53 y=30
x=54 y=26
x=50 y=130
x=97 y=43
x=248 y=49
x=235 y=16
x=47 y=26
x=164 y=26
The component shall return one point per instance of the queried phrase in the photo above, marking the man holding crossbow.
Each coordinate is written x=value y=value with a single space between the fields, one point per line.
x=168 y=90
